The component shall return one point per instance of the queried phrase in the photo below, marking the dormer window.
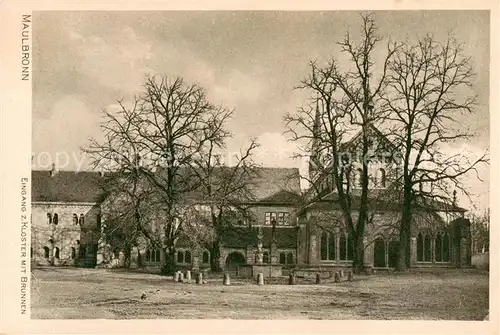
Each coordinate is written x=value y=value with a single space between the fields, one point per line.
x=49 y=218
x=55 y=220
x=75 y=219
x=82 y=219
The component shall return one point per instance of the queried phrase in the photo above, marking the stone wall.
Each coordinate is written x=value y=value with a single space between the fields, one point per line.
x=65 y=239
x=481 y=261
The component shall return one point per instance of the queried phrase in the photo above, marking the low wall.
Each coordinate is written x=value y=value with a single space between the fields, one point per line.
x=481 y=261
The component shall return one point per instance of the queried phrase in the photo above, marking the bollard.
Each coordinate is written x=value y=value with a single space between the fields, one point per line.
x=337 y=277
x=260 y=279
x=341 y=273
x=350 y=276
x=176 y=276
x=226 y=279
x=291 y=279
x=318 y=278
x=199 y=278
x=181 y=277
x=188 y=276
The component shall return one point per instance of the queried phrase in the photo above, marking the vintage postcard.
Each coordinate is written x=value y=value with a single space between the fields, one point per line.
x=243 y=167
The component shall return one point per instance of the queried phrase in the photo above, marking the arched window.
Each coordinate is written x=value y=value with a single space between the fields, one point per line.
x=289 y=258
x=282 y=258
x=49 y=218
x=55 y=220
x=343 y=247
x=206 y=257
x=438 y=248
x=46 y=252
x=82 y=220
x=446 y=247
x=180 y=257
x=265 y=257
x=427 y=248
x=148 y=255
x=73 y=253
x=420 y=248
x=157 y=255
x=187 y=256
x=381 y=178
x=56 y=252
x=75 y=219
x=324 y=246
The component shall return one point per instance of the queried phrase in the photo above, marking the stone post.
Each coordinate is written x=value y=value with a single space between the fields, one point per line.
x=341 y=273
x=226 y=279
x=260 y=279
x=350 y=276
x=181 y=277
x=199 y=278
x=291 y=279
x=337 y=277
x=176 y=276
x=188 y=276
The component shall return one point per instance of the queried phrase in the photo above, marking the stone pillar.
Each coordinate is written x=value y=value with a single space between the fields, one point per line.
x=121 y=259
x=196 y=259
x=337 y=247
x=368 y=255
x=413 y=251
x=433 y=249
x=463 y=252
x=313 y=249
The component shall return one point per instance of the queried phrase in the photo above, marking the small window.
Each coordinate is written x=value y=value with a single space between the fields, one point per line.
x=281 y=218
x=289 y=258
x=266 y=257
x=46 y=252
x=282 y=258
x=273 y=217
x=381 y=178
x=56 y=252
x=49 y=218
x=268 y=218
x=187 y=257
x=75 y=219
x=206 y=257
x=82 y=220
x=55 y=220
x=180 y=257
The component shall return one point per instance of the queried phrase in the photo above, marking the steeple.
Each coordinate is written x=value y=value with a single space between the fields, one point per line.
x=314 y=158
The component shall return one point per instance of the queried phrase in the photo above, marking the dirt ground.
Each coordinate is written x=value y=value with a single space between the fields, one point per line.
x=71 y=293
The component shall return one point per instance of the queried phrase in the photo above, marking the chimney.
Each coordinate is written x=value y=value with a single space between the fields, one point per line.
x=53 y=171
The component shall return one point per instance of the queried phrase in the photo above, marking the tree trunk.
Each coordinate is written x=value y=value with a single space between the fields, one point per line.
x=404 y=251
x=358 y=252
x=168 y=267
x=215 y=257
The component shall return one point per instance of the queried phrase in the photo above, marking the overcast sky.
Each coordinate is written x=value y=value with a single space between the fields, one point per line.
x=249 y=61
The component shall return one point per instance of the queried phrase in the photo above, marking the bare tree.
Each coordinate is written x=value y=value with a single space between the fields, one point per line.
x=343 y=103
x=427 y=91
x=225 y=190
x=158 y=139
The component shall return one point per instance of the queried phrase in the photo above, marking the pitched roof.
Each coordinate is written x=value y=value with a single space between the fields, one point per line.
x=282 y=197
x=66 y=186
x=274 y=184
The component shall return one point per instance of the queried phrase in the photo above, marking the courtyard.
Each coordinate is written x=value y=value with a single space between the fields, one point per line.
x=73 y=293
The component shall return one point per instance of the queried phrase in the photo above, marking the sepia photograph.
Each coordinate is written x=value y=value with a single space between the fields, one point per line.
x=260 y=165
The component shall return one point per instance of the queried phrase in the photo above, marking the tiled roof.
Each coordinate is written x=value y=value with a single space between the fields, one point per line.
x=282 y=197
x=66 y=186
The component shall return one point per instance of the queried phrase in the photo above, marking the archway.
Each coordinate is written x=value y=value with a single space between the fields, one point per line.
x=393 y=253
x=235 y=259
x=379 y=253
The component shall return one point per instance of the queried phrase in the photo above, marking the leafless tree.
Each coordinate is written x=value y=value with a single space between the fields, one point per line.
x=342 y=102
x=158 y=139
x=426 y=93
